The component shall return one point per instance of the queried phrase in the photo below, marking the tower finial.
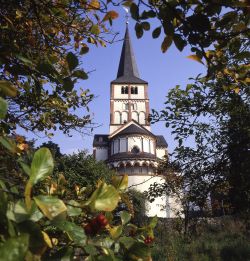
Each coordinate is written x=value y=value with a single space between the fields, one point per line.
x=127 y=15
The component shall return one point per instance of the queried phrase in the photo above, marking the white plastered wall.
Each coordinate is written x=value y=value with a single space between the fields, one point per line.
x=101 y=153
x=160 y=152
x=142 y=183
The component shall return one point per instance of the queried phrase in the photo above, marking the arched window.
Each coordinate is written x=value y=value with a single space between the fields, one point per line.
x=135 y=116
x=142 y=118
x=126 y=90
x=133 y=106
x=136 y=90
x=122 y=90
x=132 y=90
x=125 y=106
x=118 y=117
x=135 y=150
x=124 y=117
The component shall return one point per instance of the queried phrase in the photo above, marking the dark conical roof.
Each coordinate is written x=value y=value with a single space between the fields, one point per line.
x=127 y=70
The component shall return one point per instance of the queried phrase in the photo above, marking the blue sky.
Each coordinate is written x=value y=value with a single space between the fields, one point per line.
x=162 y=71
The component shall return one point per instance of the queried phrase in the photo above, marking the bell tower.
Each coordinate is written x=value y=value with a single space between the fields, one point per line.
x=128 y=92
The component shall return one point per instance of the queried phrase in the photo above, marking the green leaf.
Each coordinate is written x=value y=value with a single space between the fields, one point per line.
x=156 y=33
x=95 y=29
x=46 y=68
x=104 y=198
x=15 y=249
x=25 y=167
x=74 y=232
x=127 y=241
x=25 y=60
x=91 y=250
x=84 y=49
x=120 y=182
x=9 y=144
x=115 y=231
x=138 y=251
x=134 y=10
x=125 y=217
x=153 y=222
x=7 y=88
x=68 y=84
x=37 y=245
x=73 y=208
x=42 y=165
x=179 y=42
x=166 y=43
x=148 y=14
x=51 y=207
x=19 y=212
x=3 y=108
x=138 y=30
x=72 y=61
x=80 y=74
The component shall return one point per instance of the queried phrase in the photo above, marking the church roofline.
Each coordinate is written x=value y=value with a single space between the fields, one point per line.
x=127 y=125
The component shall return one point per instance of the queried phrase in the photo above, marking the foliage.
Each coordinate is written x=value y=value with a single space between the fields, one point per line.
x=40 y=220
x=41 y=43
x=82 y=169
x=53 y=147
x=219 y=239
x=139 y=204
x=207 y=26
x=213 y=111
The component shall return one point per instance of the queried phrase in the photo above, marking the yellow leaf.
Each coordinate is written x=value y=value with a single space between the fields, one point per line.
x=8 y=88
x=110 y=15
x=54 y=241
x=19 y=139
x=237 y=90
x=95 y=4
x=47 y=239
x=195 y=58
x=115 y=231
x=23 y=146
x=247 y=80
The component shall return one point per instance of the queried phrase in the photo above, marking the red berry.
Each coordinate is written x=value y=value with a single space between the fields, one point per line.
x=102 y=220
x=148 y=240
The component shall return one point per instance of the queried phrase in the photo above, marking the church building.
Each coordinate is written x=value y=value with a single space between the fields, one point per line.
x=130 y=147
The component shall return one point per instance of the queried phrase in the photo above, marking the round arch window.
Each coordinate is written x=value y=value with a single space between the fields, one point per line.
x=135 y=150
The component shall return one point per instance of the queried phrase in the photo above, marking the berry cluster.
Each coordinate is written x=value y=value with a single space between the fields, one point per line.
x=96 y=224
x=148 y=240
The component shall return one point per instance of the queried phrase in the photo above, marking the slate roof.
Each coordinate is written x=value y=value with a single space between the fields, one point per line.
x=100 y=140
x=134 y=129
x=129 y=155
x=127 y=70
x=160 y=141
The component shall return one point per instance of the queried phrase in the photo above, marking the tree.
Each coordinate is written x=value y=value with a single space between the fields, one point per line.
x=41 y=42
x=82 y=169
x=53 y=147
x=204 y=111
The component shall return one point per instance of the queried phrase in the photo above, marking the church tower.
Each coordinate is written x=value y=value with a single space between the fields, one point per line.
x=130 y=147
x=128 y=92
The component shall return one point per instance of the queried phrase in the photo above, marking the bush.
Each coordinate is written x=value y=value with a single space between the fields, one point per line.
x=43 y=218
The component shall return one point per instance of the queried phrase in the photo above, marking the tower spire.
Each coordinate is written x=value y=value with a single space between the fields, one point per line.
x=128 y=70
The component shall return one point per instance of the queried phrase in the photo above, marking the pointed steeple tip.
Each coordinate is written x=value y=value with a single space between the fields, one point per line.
x=127 y=70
